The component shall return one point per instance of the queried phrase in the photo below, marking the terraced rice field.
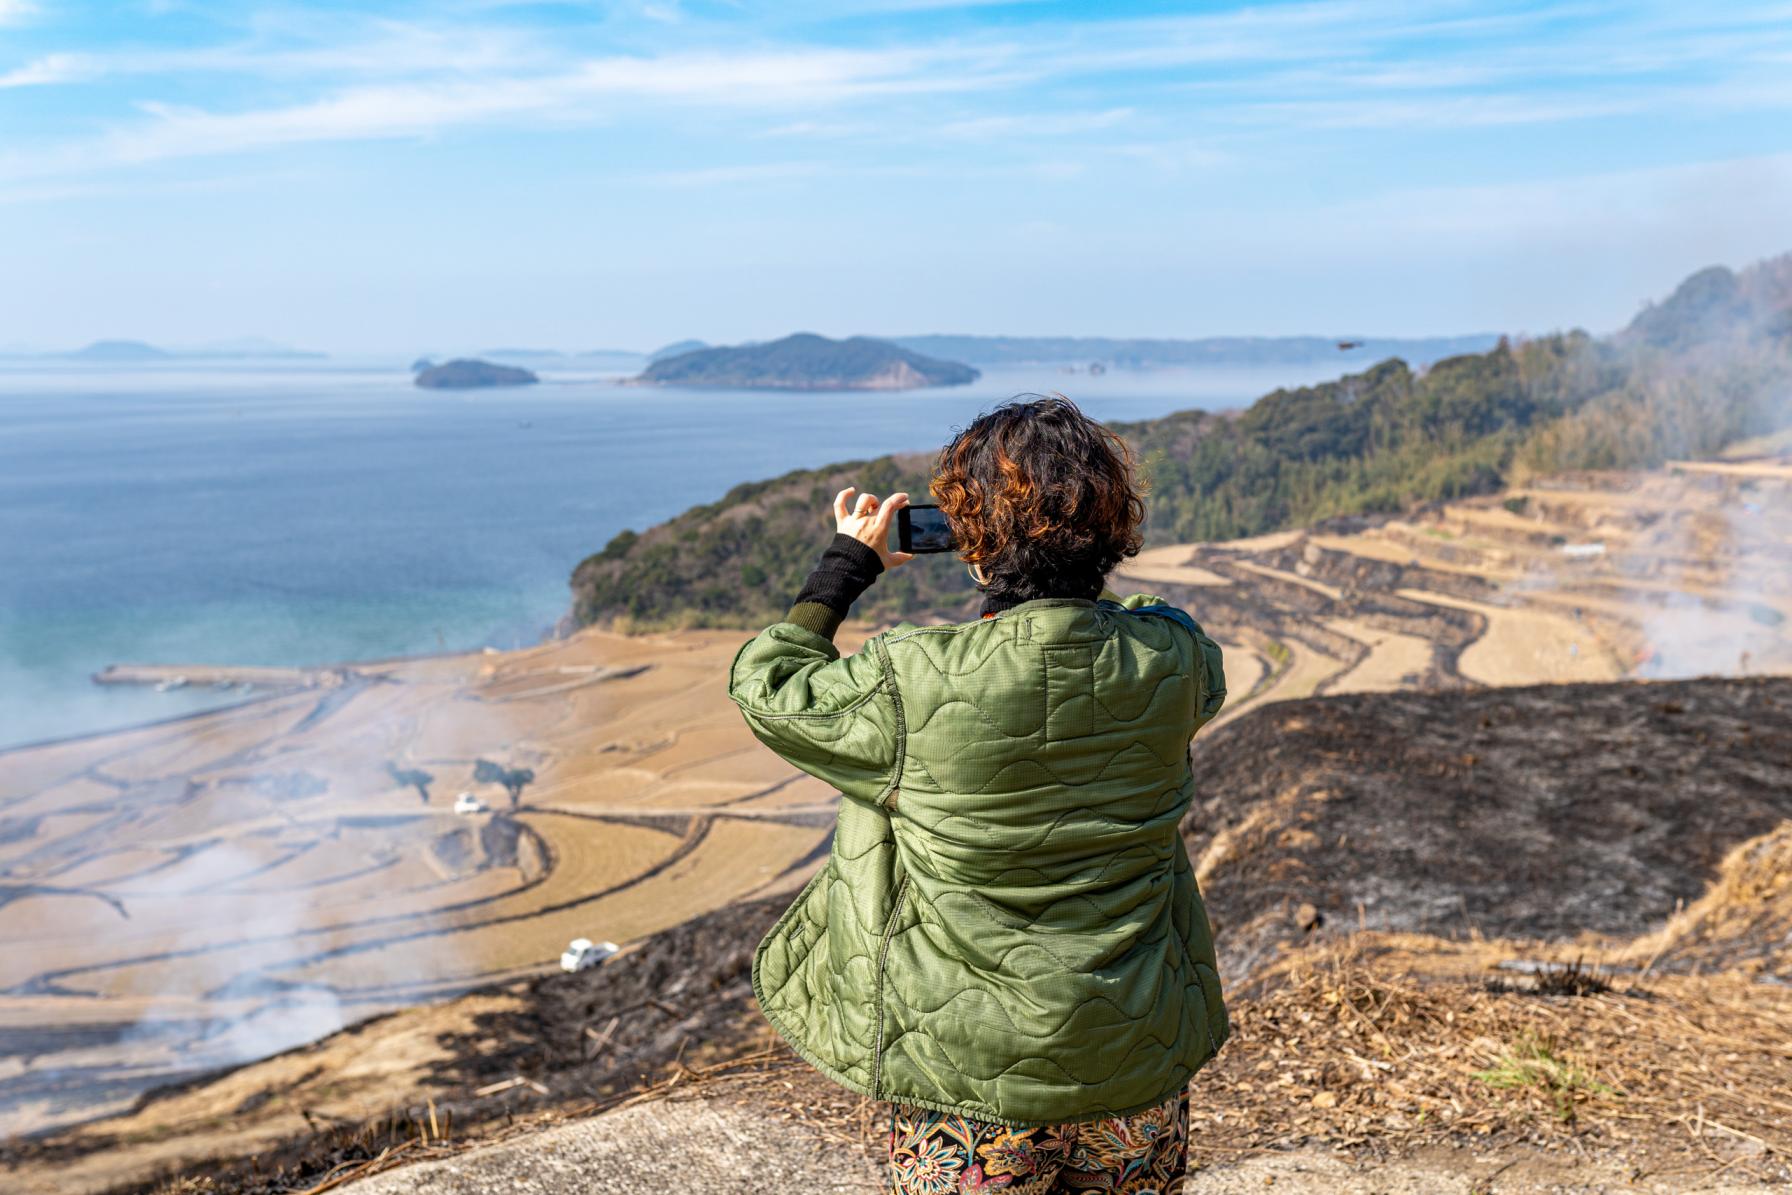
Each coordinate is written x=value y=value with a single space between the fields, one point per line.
x=240 y=881
x=1685 y=571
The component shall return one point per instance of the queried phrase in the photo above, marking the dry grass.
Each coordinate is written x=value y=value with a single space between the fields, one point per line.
x=1377 y=1046
x=1744 y=922
x=1390 y=1045
x=1384 y=1046
x=1363 y=1044
x=341 y=1154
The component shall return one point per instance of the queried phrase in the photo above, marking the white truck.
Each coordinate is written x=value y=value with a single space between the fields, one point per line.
x=583 y=953
x=468 y=803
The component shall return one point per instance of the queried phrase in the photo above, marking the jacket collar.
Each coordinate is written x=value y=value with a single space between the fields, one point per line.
x=993 y=606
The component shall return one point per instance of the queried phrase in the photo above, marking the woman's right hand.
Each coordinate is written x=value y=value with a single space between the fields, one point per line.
x=869 y=520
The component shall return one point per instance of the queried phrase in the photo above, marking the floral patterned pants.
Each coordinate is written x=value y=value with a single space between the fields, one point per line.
x=942 y=1153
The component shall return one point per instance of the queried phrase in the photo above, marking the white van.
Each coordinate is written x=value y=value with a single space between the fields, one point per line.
x=583 y=952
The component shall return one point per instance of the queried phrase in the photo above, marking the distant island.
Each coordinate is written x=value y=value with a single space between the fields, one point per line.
x=677 y=348
x=119 y=350
x=127 y=352
x=1208 y=351
x=806 y=361
x=468 y=374
x=555 y=358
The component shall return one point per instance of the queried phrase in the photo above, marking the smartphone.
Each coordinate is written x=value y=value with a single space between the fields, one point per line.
x=923 y=529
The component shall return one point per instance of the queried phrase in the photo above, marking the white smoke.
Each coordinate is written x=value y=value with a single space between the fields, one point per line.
x=1725 y=610
x=1723 y=614
x=229 y=949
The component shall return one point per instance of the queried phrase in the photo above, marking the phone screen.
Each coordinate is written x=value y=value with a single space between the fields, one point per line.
x=924 y=529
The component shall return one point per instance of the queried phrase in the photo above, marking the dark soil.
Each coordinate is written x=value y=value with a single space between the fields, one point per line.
x=1537 y=812
x=682 y=992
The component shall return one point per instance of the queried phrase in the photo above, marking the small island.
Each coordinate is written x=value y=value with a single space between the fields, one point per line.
x=806 y=361
x=676 y=348
x=469 y=374
x=119 y=351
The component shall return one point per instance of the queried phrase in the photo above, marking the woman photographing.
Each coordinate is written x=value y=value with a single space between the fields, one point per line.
x=1007 y=941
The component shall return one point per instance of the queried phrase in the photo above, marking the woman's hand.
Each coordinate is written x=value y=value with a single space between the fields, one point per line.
x=868 y=520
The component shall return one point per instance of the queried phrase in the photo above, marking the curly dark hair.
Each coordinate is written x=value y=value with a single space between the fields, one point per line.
x=1041 y=498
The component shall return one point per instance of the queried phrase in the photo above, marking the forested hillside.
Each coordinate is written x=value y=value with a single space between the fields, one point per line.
x=1209 y=351
x=806 y=361
x=1709 y=365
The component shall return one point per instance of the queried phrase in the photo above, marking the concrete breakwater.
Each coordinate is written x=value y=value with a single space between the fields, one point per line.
x=180 y=676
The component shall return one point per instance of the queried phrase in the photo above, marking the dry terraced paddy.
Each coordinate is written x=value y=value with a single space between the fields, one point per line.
x=1683 y=571
x=229 y=884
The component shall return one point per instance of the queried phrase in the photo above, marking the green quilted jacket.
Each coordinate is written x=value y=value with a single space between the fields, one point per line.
x=1008 y=925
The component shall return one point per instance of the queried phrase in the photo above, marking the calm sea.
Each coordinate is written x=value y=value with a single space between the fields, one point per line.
x=299 y=515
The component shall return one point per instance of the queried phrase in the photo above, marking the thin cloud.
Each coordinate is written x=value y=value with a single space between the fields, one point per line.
x=827 y=129
x=1294 y=66
x=719 y=176
x=13 y=12
x=1171 y=155
x=1545 y=107
x=1622 y=206
x=52 y=68
x=1035 y=125
x=872 y=7
x=385 y=50
x=137 y=188
x=377 y=112
x=1443 y=112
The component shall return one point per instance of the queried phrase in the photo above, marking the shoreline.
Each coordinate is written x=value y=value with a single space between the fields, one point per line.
x=347 y=668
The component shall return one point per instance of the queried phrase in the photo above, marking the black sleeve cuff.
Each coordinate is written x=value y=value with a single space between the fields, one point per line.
x=846 y=570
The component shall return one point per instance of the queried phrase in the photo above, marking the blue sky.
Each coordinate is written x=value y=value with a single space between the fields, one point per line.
x=368 y=177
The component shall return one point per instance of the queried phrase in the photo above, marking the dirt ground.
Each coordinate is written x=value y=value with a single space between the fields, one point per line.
x=1473 y=1009
x=1544 y=811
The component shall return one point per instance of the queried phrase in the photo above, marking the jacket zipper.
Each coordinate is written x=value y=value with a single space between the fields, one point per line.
x=883 y=955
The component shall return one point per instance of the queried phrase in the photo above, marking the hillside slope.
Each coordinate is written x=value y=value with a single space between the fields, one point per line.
x=1556 y=821
x=1542 y=812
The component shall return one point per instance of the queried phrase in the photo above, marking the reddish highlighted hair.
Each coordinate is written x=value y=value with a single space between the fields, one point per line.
x=1041 y=498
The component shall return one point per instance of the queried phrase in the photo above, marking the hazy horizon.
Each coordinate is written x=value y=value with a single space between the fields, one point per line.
x=250 y=346
x=354 y=179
